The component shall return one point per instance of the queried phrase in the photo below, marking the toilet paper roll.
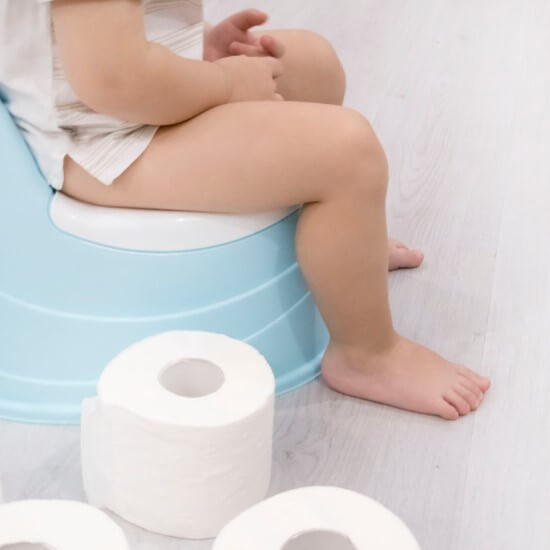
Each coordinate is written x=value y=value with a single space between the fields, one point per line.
x=317 y=518
x=179 y=438
x=59 y=525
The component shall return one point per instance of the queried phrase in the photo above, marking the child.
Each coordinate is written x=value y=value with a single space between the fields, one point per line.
x=124 y=105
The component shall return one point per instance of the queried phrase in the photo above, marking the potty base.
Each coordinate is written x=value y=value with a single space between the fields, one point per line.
x=52 y=357
x=68 y=306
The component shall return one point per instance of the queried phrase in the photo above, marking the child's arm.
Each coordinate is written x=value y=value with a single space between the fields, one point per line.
x=115 y=70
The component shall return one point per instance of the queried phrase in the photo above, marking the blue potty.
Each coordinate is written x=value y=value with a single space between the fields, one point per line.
x=80 y=283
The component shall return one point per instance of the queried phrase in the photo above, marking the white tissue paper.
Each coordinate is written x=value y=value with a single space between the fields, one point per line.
x=179 y=438
x=59 y=525
x=317 y=518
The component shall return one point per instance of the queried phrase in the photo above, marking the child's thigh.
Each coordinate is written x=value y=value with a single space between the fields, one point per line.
x=239 y=157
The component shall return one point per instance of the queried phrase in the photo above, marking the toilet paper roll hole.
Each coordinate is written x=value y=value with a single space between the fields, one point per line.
x=192 y=377
x=319 y=540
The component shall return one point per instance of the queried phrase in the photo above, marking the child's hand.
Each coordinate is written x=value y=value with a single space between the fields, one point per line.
x=252 y=78
x=232 y=37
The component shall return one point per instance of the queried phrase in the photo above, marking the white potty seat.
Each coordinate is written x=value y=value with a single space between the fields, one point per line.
x=155 y=230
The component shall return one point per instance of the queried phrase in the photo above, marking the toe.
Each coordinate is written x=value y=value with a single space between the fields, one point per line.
x=406 y=258
x=394 y=243
x=482 y=382
x=472 y=384
x=414 y=257
x=458 y=402
x=447 y=411
x=472 y=396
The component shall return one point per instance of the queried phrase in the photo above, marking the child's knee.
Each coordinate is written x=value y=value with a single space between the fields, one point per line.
x=329 y=66
x=363 y=160
x=317 y=58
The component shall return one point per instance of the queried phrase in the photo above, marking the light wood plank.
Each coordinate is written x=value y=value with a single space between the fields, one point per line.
x=459 y=93
x=507 y=496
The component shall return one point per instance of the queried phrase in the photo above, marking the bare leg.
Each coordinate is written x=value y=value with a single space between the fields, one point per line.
x=313 y=72
x=256 y=156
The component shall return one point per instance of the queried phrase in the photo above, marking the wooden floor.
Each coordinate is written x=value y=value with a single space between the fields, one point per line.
x=459 y=92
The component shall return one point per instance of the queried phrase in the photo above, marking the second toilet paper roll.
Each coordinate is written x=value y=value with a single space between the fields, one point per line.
x=58 y=525
x=317 y=518
x=179 y=438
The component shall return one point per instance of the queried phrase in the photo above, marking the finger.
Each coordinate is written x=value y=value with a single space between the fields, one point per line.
x=239 y=48
x=248 y=18
x=253 y=39
x=278 y=97
x=276 y=66
x=272 y=46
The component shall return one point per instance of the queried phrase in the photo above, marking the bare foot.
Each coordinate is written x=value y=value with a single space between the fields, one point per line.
x=408 y=376
x=403 y=257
